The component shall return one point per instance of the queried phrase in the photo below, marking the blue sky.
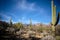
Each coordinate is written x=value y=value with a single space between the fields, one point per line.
x=22 y=10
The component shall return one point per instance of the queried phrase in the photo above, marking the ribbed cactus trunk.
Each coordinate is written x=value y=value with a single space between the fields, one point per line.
x=30 y=24
x=53 y=17
x=10 y=22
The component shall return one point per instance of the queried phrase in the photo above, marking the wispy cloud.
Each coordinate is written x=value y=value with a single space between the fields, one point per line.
x=24 y=5
x=5 y=16
x=24 y=20
x=28 y=21
x=30 y=8
x=13 y=15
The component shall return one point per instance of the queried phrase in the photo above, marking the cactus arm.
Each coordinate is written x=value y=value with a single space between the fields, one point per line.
x=57 y=20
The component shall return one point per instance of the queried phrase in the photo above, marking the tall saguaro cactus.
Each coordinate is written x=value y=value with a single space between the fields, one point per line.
x=30 y=23
x=10 y=21
x=53 y=15
x=55 y=19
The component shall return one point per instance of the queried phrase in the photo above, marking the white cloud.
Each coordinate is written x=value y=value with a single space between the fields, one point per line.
x=30 y=7
x=8 y=15
x=5 y=16
x=24 y=20
x=13 y=15
x=24 y=5
x=27 y=21
x=33 y=21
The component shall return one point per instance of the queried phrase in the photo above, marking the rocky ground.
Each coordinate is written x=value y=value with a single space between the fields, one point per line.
x=10 y=36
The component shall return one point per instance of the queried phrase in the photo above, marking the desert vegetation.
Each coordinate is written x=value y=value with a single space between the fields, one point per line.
x=24 y=31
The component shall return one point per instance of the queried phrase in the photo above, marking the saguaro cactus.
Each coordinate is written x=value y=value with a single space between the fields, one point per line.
x=55 y=19
x=10 y=21
x=30 y=23
x=53 y=15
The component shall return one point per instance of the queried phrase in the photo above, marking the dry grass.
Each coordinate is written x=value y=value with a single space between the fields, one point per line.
x=57 y=37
